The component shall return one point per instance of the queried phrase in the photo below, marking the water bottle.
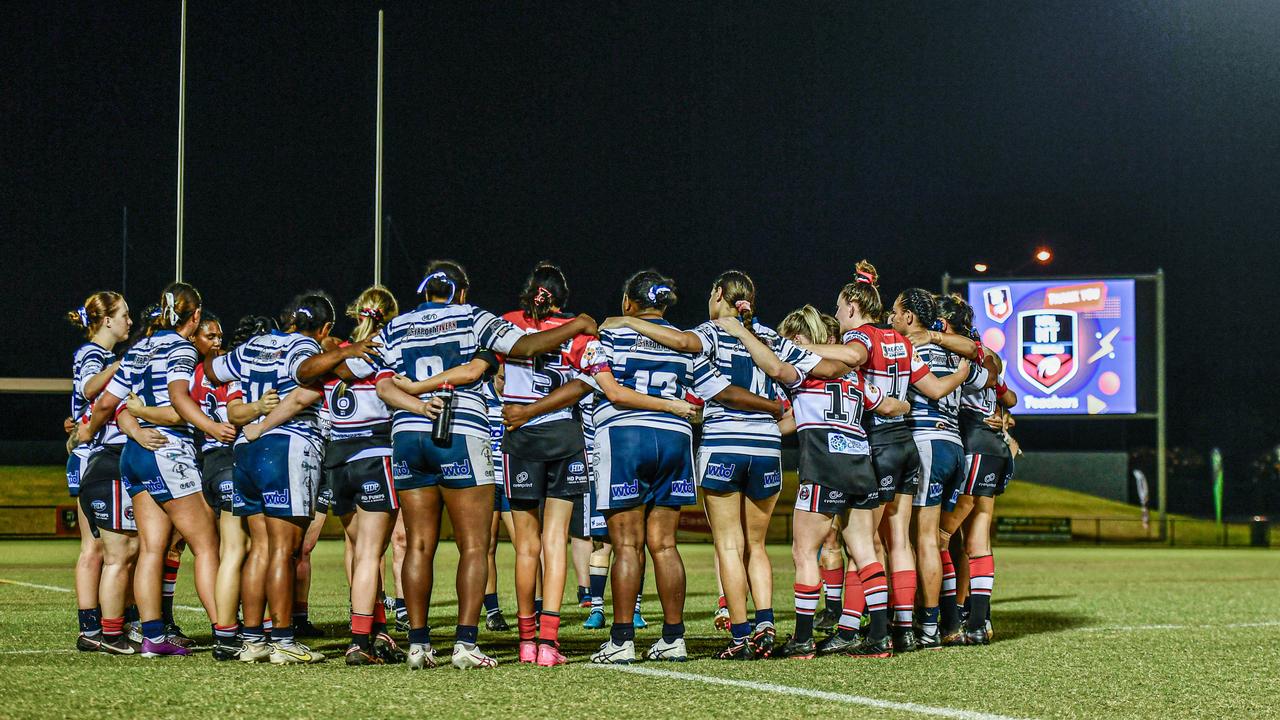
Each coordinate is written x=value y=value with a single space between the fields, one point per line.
x=442 y=428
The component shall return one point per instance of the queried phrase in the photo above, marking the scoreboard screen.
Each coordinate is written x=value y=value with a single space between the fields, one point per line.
x=1068 y=346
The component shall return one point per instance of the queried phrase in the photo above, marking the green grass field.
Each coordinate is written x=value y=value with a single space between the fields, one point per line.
x=1082 y=632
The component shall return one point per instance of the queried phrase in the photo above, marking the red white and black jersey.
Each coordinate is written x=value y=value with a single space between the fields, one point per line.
x=892 y=366
x=359 y=423
x=835 y=408
x=556 y=434
x=213 y=401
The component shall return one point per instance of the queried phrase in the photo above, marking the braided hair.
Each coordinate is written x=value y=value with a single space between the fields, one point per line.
x=545 y=289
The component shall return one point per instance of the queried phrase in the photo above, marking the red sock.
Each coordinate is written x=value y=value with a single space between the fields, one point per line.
x=112 y=626
x=948 y=574
x=380 y=613
x=527 y=627
x=904 y=597
x=832 y=580
x=722 y=602
x=549 y=627
x=982 y=575
x=361 y=624
x=874 y=587
x=851 y=603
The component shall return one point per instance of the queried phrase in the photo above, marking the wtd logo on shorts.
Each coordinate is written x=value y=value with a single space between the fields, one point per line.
x=625 y=491
x=724 y=471
x=845 y=445
x=400 y=470
x=155 y=485
x=456 y=471
x=935 y=490
x=682 y=487
x=772 y=479
x=276 y=498
x=370 y=487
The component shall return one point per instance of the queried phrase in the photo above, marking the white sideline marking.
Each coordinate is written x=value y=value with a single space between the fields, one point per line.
x=55 y=588
x=815 y=694
x=1130 y=628
x=33 y=652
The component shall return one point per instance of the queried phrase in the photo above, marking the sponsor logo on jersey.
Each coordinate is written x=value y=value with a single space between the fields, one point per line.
x=894 y=351
x=342 y=402
x=845 y=445
x=99 y=505
x=370 y=487
x=998 y=302
x=456 y=471
x=1047 y=341
x=682 y=487
x=625 y=491
x=276 y=498
x=724 y=471
x=772 y=479
x=400 y=470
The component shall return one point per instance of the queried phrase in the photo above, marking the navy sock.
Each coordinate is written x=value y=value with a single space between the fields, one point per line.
x=537 y=606
x=622 y=632
x=466 y=634
x=420 y=636
x=672 y=632
x=950 y=620
x=401 y=610
x=282 y=635
x=740 y=631
x=490 y=603
x=166 y=609
x=253 y=633
x=131 y=614
x=153 y=630
x=301 y=618
x=598 y=583
x=764 y=616
x=90 y=621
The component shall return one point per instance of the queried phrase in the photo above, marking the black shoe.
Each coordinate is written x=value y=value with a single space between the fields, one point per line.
x=952 y=638
x=977 y=637
x=84 y=643
x=737 y=651
x=385 y=649
x=305 y=629
x=177 y=637
x=825 y=621
x=869 y=648
x=762 y=641
x=904 y=640
x=928 y=641
x=119 y=645
x=496 y=623
x=836 y=644
x=226 y=649
x=357 y=655
x=794 y=650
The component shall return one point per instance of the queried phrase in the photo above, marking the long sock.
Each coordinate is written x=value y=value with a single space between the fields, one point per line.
x=282 y=636
x=599 y=579
x=640 y=594
x=982 y=575
x=584 y=594
x=167 y=588
x=722 y=603
x=379 y=619
x=537 y=605
x=672 y=632
x=764 y=616
x=90 y=622
x=402 y=611
x=466 y=634
x=831 y=586
x=527 y=627
x=225 y=634
x=112 y=628
x=253 y=633
x=806 y=605
x=420 y=636
x=300 y=615
x=876 y=589
x=903 y=597
x=929 y=623
x=950 y=620
x=131 y=614
x=361 y=626
x=491 y=604
x=740 y=632
x=851 y=606
x=267 y=626
x=549 y=628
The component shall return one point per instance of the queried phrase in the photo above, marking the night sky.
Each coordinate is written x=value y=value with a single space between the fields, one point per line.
x=692 y=138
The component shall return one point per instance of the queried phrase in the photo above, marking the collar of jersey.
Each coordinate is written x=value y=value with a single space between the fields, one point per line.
x=428 y=305
x=657 y=321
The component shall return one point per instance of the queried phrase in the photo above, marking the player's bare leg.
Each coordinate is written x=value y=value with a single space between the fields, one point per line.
x=895 y=533
x=88 y=576
x=929 y=567
x=809 y=531
x=756 y=515
x=470 y=509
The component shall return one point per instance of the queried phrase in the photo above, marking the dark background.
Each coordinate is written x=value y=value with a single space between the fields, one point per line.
x=686 y=136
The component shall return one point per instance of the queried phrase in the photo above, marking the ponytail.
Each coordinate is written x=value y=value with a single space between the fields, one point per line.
x=375 y=306
x=178 y=303
x=545 y=289
x=96 y=308
x=864 y=291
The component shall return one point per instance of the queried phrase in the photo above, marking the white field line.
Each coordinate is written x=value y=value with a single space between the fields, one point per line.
x=1135 y=628
x=55 y=588
x=814 y=694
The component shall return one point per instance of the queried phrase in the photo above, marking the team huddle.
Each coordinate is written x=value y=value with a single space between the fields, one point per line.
x=571 y=433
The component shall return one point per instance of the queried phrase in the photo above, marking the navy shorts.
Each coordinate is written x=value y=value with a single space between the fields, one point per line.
x=643 y=466
x=756 y=476
x=76 y=463
x=416 y=462
x=277 y=475
x=166 y=474
x=941 y=473
x=500 y=502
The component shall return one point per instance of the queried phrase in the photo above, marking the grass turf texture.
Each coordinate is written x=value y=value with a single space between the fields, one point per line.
x=1072 y=623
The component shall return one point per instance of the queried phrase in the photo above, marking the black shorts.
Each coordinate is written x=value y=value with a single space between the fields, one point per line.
x=365 y=482
x=217 y=473
x=829 y=501
x=834 y=461
x=988 y=464
x=580 y=518
x=103 y=498
x=324 y=490
x=565 y=478
x=897 y=466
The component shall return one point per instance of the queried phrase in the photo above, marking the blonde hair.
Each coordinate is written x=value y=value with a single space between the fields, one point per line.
x=806 y=321
x=375 y=306
x=96 y=308
x=864 y=291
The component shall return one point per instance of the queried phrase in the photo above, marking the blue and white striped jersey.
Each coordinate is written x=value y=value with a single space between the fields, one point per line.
x=493 y=406
x=940 y=419
x=270 y=362
x=91 y=359
x=435 y=337
x=652 y=369
x=148 y=368
x=730 y=430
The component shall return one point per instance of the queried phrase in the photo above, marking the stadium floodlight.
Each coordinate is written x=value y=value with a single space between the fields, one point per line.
x=1044 y=255
x=981 y=267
